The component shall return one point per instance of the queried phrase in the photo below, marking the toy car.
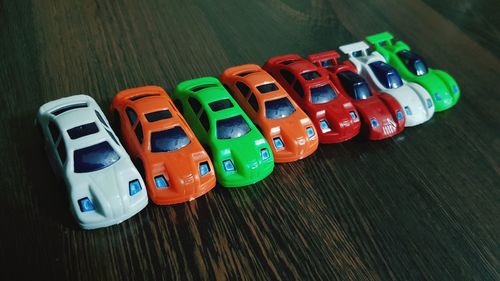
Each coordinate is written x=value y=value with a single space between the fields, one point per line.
x=281 y=121
x=333 y=115
x=440 y=85
x=240 y=154
x=103 y=185
x=172 y=161
x=382 y=115
x=415 y=100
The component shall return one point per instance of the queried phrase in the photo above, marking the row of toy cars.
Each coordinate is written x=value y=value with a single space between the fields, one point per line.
x=232 y=130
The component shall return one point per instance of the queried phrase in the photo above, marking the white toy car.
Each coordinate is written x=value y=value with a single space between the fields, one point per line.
x=414 y=99
x=103 y=185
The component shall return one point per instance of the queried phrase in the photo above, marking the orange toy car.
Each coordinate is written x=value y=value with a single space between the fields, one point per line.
x=289 y=131
x=166 y=152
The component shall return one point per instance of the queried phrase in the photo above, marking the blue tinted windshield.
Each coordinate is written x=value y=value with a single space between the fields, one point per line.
x=413 y=62
x=386 y=75
x=169 y=140
x=94 y=158
x=279 y=108
x=322 y=94
x=231 y=128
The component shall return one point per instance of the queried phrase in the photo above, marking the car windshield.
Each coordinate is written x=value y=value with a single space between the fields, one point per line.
x=386 y=75
x=361 y=91
x=231 y=128
x=279 y=108
x=169 y=140
x=413 y=62
x=94 y=157
x=322 y=94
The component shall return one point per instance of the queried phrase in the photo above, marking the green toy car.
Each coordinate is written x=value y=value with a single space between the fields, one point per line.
x=240 y=154
x=412 y=68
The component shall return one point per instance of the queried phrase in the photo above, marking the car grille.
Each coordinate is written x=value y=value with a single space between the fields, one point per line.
x=389 y=127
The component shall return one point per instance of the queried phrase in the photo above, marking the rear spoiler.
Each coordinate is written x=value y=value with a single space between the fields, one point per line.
x=318 y=58
x=198 y=82
x=280 y=59
x=353 y=49
x=237 y=70
x=134 y=93
x=379 y=38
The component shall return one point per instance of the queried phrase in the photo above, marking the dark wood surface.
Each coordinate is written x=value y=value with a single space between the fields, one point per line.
x=424 y=205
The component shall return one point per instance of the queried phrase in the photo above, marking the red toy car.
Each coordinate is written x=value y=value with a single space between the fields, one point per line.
x=382 y=115
x=333 y=115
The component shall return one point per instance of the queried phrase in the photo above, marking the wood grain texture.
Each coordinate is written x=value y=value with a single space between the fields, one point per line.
x=421 y=206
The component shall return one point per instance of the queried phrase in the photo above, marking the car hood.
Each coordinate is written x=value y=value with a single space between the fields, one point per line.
x=407 y=97
x=437 y=88
x=108 y=188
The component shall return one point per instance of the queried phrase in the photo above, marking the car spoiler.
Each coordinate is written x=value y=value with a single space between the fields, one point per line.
x=52 y=107
x=383 y=38
x=282 y=58
x=237 y=70
x=353 y=49
x=318 y=58
x=198 y=82
x=134 y=93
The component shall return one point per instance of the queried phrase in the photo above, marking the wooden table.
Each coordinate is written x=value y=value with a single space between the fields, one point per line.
x=424 y=205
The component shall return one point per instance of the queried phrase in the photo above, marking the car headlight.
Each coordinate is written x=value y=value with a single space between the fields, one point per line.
x=86 y=205
x=437 y=96
x=228 y=165
x=323 y=124
x=353 y=115
x=454 y=89
x=374 y=122
x=204 y=168
x=429 y=103
x=161 y=182
x=134 y=187
x=264 y=154
x=310 y=132
x=278 y=143
x=399 y=115
x=407 y=110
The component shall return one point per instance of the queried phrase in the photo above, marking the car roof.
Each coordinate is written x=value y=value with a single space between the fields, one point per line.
x=151 y=104
x=301 y=66
x=259 y=78
x=216 y=93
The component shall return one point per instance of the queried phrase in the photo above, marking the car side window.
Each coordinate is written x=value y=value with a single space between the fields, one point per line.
x=99 y=116
x=298 y=89
x=61 y=150
x=195 y=105
x=178 y=104
x=244 y=89
x=132 y=116
x=204 y=121
x=253 y=102
x=288 y=76
x=54 y=131
x=138 y=132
